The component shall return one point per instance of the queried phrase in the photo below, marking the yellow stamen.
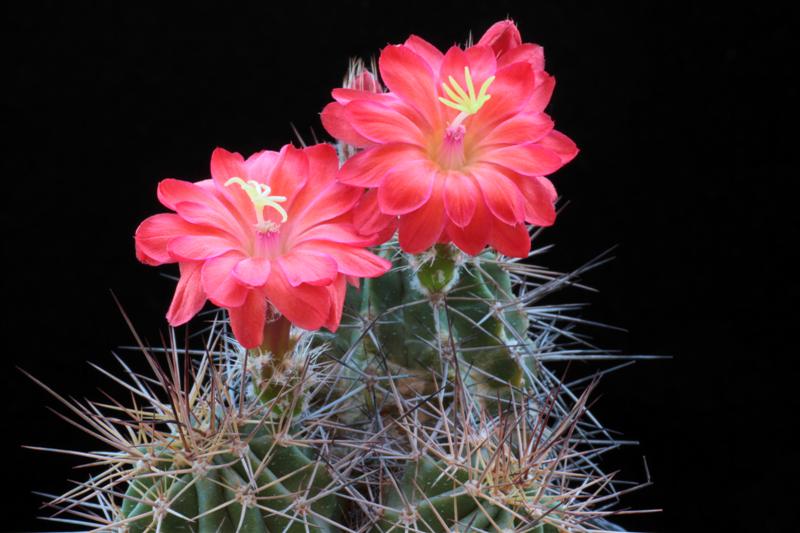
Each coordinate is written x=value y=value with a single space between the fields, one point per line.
x=259 y=194
x=466 y=101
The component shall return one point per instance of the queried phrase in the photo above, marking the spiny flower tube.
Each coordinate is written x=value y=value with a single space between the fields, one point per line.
x=266 y=235
x=458 y=147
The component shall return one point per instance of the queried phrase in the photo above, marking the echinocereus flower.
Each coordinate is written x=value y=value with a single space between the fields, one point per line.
x=272 y=233
x=458 y=147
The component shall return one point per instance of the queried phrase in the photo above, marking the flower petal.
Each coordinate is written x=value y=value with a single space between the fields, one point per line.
x=323 y=164
x=154 y=234
x=322 y=199
x=336 y=122
x=513 y=241
x=367 y=216
x=422 y=228
x=306 y=306
x=406 y=187
x=189 y=297
x=527 y=159
x=382 y=124
x=226 y=165
x=368 y=168
x=480 y=61
x=247 y=320
x=460 y=195
x=560 y=144
x=252 y=271
x=315 y=206
x=540 y=197
x=228 y=202
x=533 y=54
x=409 y=76
x=520 y=129
x=308 y=266
x=473 y=237
x=386 y=233
x=365 y=81
x=207 y=215
x=482 y=64
x=548 y=188
x=345 y=96
x=502 y=196
x=350 y=260
x=510 y=91
x=259 y=165
x=288 y=176
x=171 y=191
x=340 y=232
x=338 y=290
x=432 y=55
x=542 y=93
x=199 y=247
x=502 y=36
x=222 y=288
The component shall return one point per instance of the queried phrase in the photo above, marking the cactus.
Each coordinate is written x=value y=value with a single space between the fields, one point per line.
x=440 y=300
x=442 y=357
x=205 y=455
x=238 y=479
x=433 y=408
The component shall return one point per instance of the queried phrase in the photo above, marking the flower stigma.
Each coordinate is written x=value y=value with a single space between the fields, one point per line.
x=467 y=102
x=260 y=195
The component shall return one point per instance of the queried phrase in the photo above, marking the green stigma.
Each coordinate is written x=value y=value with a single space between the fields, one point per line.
x=466 y=101
x=260 y=195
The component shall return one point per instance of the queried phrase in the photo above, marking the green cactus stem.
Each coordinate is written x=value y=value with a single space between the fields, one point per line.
x=438 y=314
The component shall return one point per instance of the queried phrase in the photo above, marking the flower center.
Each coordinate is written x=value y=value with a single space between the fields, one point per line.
x=451 y=153
x=467 y=102
x=260 y=195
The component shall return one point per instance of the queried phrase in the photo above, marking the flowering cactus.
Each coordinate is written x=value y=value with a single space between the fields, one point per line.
x=274 y=228
x=428 y=404
x=459 y=146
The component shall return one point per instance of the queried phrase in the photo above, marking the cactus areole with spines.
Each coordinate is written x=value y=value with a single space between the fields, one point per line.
x=427 y=402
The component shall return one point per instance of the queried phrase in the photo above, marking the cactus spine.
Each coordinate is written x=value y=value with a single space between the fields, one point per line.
x=432 y=409
x=471 y=434
x=204 y=455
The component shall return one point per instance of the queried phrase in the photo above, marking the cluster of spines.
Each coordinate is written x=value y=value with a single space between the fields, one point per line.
x=438 y=443
x=197 y=452
x=411 y=361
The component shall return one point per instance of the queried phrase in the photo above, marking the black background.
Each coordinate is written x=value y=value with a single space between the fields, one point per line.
x=682 y=116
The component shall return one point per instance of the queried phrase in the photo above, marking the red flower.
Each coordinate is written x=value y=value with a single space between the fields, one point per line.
x=275 y=228
x=459 y=145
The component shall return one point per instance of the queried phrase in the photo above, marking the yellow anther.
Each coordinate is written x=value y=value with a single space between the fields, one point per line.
x=466 y=101
x=260 y=195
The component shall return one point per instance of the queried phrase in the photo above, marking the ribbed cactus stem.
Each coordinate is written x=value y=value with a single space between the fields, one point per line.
x=427 y=411
x=438 y=269
x=236 y=467
x=270 y=360
x=439 y=312
x=277 y=340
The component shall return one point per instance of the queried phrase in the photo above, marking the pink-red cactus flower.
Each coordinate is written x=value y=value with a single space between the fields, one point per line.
x=272 y=233
x=458 y=147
